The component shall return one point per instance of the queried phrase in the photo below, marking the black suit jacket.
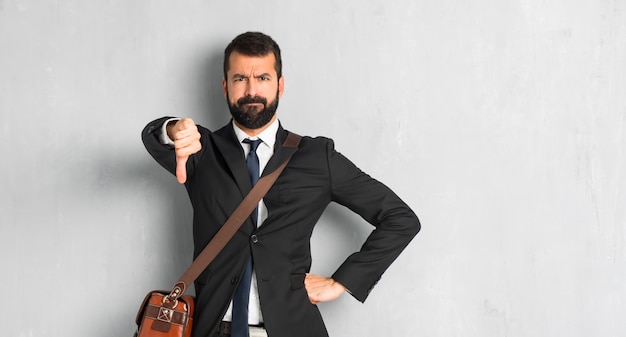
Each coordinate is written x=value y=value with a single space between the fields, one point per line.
x=316 y=175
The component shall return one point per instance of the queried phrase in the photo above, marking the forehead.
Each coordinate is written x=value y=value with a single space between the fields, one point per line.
x=244 y=64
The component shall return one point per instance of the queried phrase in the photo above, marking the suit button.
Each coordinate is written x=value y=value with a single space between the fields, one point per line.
x=254 y=238
x=234 y=280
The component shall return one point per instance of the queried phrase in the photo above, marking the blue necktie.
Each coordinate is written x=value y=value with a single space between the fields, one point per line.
x=239 y=327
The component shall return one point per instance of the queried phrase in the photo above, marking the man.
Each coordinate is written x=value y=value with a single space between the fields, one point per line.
x=275 y=240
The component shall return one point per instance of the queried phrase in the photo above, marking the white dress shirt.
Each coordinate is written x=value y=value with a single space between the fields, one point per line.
x=264 y=153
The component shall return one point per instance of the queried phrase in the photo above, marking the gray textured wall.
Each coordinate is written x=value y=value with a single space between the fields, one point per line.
x=500 y=122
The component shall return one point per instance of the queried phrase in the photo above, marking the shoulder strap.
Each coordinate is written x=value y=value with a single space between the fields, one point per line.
x=230 y=227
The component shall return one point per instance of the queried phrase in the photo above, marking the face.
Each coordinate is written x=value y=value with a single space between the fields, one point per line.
x=252 y=89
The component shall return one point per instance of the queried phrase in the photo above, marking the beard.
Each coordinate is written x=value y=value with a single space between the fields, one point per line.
x=252 y=117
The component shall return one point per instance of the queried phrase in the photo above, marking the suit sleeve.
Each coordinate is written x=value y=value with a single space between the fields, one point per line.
x=163 y=154
x=395 y=224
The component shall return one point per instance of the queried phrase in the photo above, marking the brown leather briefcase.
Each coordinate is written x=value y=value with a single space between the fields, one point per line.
x=160 y=317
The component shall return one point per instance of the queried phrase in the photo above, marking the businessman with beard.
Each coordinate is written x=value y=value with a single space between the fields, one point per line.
x=273 y=245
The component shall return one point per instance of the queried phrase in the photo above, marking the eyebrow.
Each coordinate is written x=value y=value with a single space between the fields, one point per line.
x=257 y=76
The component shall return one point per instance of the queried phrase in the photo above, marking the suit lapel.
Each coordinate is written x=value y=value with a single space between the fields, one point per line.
x=228 y=145
x=281 y=153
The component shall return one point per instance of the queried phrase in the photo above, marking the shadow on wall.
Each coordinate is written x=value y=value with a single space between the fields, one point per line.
x=211 y=107
x=156 y=249
x=172 y=234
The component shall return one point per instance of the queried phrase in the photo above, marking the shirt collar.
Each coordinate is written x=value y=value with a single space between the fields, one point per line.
x=268 y=136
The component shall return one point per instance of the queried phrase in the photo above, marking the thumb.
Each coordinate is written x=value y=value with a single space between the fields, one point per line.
x=181 y=169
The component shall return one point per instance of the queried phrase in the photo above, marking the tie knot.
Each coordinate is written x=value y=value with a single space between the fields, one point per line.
x=254 y=144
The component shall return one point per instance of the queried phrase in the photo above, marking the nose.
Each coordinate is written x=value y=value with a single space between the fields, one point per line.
x=251 y=87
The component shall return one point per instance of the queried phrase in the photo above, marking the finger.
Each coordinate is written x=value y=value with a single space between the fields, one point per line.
x=316 y=281
x=186 y=148
x=188 y=144
x=312 y=298
x=185 y=133
x=313 y=278
x=183 y=124
x=181 y=169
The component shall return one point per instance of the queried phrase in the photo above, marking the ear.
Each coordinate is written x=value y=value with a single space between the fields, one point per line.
x=281 y=86
x=224 y=87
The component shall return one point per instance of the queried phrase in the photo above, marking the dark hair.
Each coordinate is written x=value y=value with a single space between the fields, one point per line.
x=253 y=44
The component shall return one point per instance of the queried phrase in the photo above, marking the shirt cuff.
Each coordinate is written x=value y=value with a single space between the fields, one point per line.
x=163 y=137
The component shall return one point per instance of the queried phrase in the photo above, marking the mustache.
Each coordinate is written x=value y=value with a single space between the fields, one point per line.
x=252 y=99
